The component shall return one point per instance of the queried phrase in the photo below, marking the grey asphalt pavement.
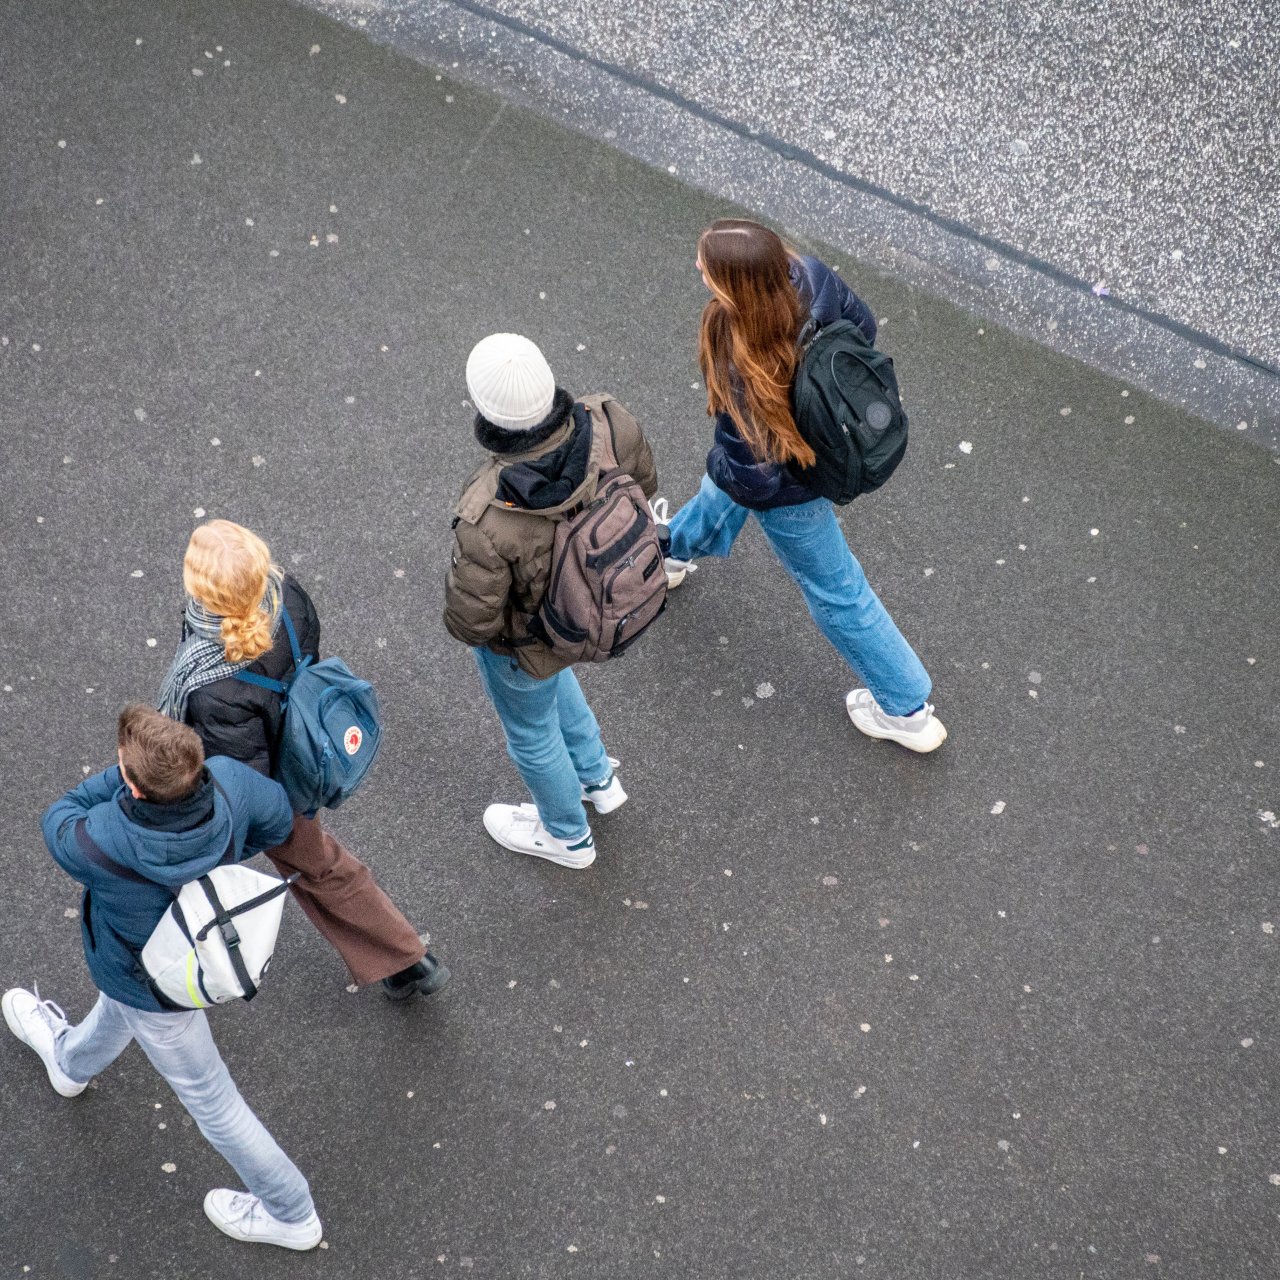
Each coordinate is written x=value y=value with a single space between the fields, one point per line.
x=1101 y=178
x=821 y=1008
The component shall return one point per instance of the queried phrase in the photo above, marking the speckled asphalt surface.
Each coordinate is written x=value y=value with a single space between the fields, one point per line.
x=1009 y=160
x=820 y=1008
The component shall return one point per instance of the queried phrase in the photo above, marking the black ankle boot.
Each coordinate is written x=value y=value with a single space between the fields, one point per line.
x=424 y=977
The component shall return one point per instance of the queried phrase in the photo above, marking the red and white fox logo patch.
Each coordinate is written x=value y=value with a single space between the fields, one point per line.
x=352 y=740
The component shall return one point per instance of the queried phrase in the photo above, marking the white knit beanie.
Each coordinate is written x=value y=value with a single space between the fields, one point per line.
x=510 y=381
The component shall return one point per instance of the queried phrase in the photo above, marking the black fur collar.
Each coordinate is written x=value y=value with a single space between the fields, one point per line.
x=503 y=440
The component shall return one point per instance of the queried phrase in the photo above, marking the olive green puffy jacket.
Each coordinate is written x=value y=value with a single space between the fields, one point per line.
x=502 y=553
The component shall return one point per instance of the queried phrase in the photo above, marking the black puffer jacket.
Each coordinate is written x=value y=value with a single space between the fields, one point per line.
x=242 y=720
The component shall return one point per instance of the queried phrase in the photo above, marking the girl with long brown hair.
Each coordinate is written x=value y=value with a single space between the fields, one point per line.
x=762 y=295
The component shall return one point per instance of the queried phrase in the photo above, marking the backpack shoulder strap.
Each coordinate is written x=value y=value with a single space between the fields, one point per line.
x=294 y=647
x=230 y=854
x=809 y=331
x=266 y=682
x=598 y=407
x=101 y=859
x=263 y=682
x=613 y=434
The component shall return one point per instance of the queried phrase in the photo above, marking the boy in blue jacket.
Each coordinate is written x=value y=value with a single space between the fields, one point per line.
x=164 y=814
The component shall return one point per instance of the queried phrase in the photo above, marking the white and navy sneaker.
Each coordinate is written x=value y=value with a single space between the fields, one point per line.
x=607 y=795
x=38 y=1023
x=245 y=1217
x=517 y=827
x=920 y=731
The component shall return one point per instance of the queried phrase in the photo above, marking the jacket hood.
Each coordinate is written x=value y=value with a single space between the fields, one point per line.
x=170 y=858
x=547 y=479
x=504 y=440
x=550 y=479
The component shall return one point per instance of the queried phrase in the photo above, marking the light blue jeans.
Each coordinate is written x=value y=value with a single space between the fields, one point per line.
x=180 y=1047
x=808 y=540
x=552 y=737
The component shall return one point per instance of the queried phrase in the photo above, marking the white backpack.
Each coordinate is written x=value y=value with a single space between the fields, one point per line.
x=215 y=941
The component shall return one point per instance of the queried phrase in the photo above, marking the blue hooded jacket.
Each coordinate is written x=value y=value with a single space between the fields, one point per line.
x=731 y=464
x=117 y=915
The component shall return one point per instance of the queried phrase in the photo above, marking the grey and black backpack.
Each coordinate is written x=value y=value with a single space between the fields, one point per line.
x=846 y=406
x=607 y=581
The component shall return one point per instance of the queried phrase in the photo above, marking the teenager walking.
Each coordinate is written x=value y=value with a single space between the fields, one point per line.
x=235 y=600
x=545 y=456
x=762 y=295
x=133 y=835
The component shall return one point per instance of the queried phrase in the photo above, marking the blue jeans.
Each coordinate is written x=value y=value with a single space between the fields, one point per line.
x=552 y=737
x=808 y=540
x=181 y=1049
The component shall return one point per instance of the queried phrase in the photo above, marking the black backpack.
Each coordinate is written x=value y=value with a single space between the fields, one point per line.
x=846 y=406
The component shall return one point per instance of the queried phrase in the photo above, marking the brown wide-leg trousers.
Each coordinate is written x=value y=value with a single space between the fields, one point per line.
x=342 y=899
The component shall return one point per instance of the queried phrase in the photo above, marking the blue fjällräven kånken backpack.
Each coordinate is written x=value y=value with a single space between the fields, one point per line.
x=331 y=732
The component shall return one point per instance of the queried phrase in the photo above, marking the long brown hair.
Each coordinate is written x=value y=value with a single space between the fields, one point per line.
x=747 y=344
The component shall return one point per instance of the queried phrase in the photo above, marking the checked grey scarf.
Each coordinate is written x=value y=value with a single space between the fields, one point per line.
x=201 y=658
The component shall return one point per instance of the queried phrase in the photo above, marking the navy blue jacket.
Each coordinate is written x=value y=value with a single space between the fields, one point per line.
x=118 y=915
x=731 y=464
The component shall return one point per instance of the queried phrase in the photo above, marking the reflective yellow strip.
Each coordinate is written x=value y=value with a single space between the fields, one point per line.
x=193 y=991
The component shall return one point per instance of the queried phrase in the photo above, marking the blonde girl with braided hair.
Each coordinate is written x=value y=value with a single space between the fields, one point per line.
x=236 y=597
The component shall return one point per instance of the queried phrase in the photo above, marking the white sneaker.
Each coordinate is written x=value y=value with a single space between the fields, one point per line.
x=244 y=1217
x=676 y=570
x=920 y=731
x=517 y=827
x=607 y=795
x=38 y=1023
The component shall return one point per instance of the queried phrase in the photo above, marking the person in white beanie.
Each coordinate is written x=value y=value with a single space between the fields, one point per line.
x=538 y=469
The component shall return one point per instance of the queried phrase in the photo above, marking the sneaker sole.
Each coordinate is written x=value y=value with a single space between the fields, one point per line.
x=69 y=1089
x=603 y=805
x=436 y=982
x=299 y=1246
x=574 y=862
x=919 y=743
x=561 y=860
